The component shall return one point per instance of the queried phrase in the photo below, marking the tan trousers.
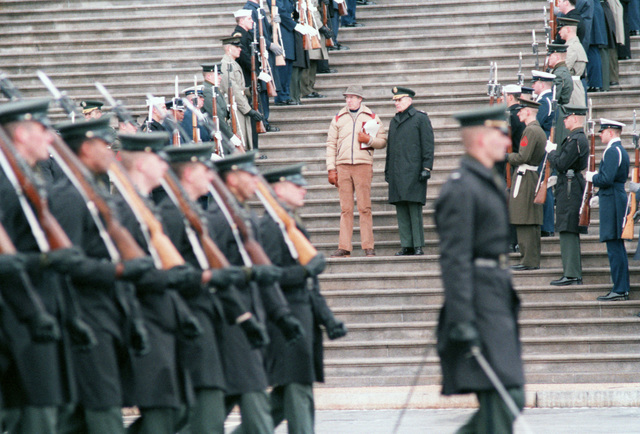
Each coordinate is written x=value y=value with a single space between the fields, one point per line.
x=355 y=177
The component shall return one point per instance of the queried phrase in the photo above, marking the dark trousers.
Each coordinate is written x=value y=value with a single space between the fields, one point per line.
x=594 y=66
x=263 y=99
x=255 y=412
x=529 y=242
x=410 y=225
x=335 y=25
x=293 y=403
x=570 y=254
x=351 y=18
x=31 y=419
x=162 y=420
x=308 y=78
x=295 y=84
x=493 y=416
x=106 y=420
x=619 y=265
x=208 y=413
x=284 y=74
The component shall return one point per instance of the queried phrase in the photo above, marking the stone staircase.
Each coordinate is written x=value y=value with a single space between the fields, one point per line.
x=441 y=49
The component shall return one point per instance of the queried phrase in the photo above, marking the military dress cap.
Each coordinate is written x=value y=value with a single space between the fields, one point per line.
x=192 y=90
x=494 y=116
x=527 y=103
x=556 y=48
x=154 y=141
x=511 y=88
x=200 y=153
x=292 y=173
x=574 y=110
x=401 y=92
x=354 y=89
x=179 y=105
x=231 y=40
x=542 y=76
x=25 y=110
x=90 y=105
x=527 y=90
x=608 y=123
x=156 y=100
x=242 y=13
x=210 y=67
x=564 y=21
x=244 y=162
x=74 y=133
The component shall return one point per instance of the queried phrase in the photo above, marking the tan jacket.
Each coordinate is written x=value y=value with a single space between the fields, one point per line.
x=237 y=81
x=342 y=141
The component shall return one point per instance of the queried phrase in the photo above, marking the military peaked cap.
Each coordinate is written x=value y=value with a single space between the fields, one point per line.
x=154 y=141
x=556 y=48
x=75 y=133
x=527 y=103
x=564 y=21
x=511 y=88
x=231 y=40
x=200 y=153
x=542 y=76
x=574 y=110
x=244 y=162
x=90 y=105
x=209 y=67
x=179 y=104
x=608 y=123
x=292 y=173
x=401 y=92
x=25 y=110
x=494 y=116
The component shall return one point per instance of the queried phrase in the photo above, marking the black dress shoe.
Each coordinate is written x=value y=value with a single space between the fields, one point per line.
x=546 y=234
x=280 y=103
x=354 y=25
x=313 y=95
x=514 y=248
x=418 y=251
x=614 y=296
x=293 y=102
x=594 y=89
x=567 y=281
x=634 y=32
x=405 y=251
x=615 y=83
x=341 y=47
x=272 y=128
x=521 y=267
x=328 y=71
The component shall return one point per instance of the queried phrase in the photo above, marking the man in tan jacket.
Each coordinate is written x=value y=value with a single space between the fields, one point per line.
x=350 y=165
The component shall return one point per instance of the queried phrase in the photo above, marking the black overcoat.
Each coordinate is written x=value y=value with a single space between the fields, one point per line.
x=471 y=220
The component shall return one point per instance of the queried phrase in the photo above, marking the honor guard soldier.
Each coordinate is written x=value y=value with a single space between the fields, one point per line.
x=91 y=109
x=568 y=162
x=162 y=382
x=39 y=379
x=244 y=364
x=612 y=201
x=196 y=96
x=480 y=308
x=102 y=283
x=213 y=303
x=293 y=368
x=564 y=87
x=524 y=214
x=576 y=56
x=407 y=169
x=543 y=88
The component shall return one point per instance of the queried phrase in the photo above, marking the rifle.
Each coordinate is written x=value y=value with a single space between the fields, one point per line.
x=552 y=19
x=265 y=67
x=325 y=22
x=177 y=128
x=306 y=39
x=176 y=133
x=61 y=98
x=204 y=248
x=160 y=246
x=509 y=151
x=214 y=106
x=632 y=205
x=194 y=117
x=303 y=249
x=534 y=48
x=315 y=39
x=260 y=128
x=520 y=75
x=277 y=34
x=117 y=107
x=585 y=207
x=541 y=187
x=491 y=84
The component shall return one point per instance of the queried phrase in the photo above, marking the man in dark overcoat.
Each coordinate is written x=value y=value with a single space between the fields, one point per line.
x=408 y=167
x=480 y=305
x=612 y=200
x=569 y=161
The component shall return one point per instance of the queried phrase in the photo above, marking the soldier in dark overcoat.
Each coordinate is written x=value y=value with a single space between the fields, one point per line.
x=569 y=161
x=408 y=166
x=612 y=200
x=480 y=305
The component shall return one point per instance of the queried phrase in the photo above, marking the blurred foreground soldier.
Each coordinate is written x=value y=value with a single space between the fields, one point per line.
x=39 y=379
x=612 y=201
x=480 y=305
x=350 y=167
x=568 y=162
x=408 y=167
x=91 y=109
x=523 y=213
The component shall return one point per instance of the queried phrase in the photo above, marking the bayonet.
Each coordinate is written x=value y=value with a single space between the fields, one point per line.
x=61 y=98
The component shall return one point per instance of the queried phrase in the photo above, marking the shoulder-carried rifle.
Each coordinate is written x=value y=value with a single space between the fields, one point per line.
x=325 y=22
x=265 y=67
x=255 y=102
x=534 y=48
x=585 y=207
x=176 y=132
x=492 y=83
x=277 y=34
x=315 y=39
x=214 y=107
x=302 y=12
x=543 y=179
x=632 y=204
x=520 y=75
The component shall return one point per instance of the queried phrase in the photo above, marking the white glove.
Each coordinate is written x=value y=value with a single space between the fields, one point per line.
x=551 y=146
x=235 y=140
x=553 y=180
x=634 y=187
x=276 y=49
x=218 y=136
x=589 y=176
x=594 y=202
x=277 y=19
x=299 y=28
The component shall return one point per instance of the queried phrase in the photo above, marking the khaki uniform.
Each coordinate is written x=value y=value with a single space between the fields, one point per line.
x=240 y=96
x=576 y=62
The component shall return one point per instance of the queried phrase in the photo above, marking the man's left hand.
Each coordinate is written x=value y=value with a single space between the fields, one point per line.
x=424 y=175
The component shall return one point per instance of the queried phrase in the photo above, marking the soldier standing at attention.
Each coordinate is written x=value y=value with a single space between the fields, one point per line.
x=480 y=306
x=408 y=167
x=523 y=213
x=569 y=162
x=612 y=200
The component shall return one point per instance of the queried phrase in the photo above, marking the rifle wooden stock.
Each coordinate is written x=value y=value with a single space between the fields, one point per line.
x=124 y=242
x=325 y=19
x=232 y=112
x=215 y=257
x=541 y=193
x=255 y=103
x=277 y=33
x=216 y=120
x=627 y=231
x=552 y=20
x=264 y=61
x=253 y=248
x=6 y=245
x=306 y=39
x=507 y=166
x=303 y=246
x=176 y=133
x=585 y=206
x=167 y=252
x=194 y=124
x=315 y=39
x=56 y=236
